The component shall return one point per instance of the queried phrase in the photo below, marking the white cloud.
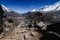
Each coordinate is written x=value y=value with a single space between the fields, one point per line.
x=32 y=6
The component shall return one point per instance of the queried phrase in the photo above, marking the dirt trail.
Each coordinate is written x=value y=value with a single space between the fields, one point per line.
x=20 y=33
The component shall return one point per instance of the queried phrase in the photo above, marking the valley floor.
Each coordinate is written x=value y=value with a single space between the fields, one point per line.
x=21 y=33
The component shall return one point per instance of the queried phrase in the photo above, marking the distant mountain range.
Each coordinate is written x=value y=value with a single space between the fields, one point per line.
x=49 y=8
x=9 y=12
x=51 y=13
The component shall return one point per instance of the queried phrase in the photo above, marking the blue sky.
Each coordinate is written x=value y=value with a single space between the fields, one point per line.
x=22 y=6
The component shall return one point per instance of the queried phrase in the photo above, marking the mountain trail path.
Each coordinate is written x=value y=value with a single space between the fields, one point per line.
x=21 y=33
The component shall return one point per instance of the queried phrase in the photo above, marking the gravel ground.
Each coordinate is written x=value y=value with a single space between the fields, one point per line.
x=21 y=33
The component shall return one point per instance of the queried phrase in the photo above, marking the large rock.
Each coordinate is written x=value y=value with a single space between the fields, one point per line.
x=42 y=25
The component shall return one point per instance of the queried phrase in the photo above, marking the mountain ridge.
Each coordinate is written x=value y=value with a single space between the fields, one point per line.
x=9 y=12
x=48 y=8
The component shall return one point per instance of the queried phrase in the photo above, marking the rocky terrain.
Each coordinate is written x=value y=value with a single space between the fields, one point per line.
x=15 y=29
x=20 y=33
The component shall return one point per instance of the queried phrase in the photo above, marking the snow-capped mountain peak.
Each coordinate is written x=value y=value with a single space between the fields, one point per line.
x=9 y=12
x=33 y=10
x=57 y=2
x=48 y=8
x=5 y=8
